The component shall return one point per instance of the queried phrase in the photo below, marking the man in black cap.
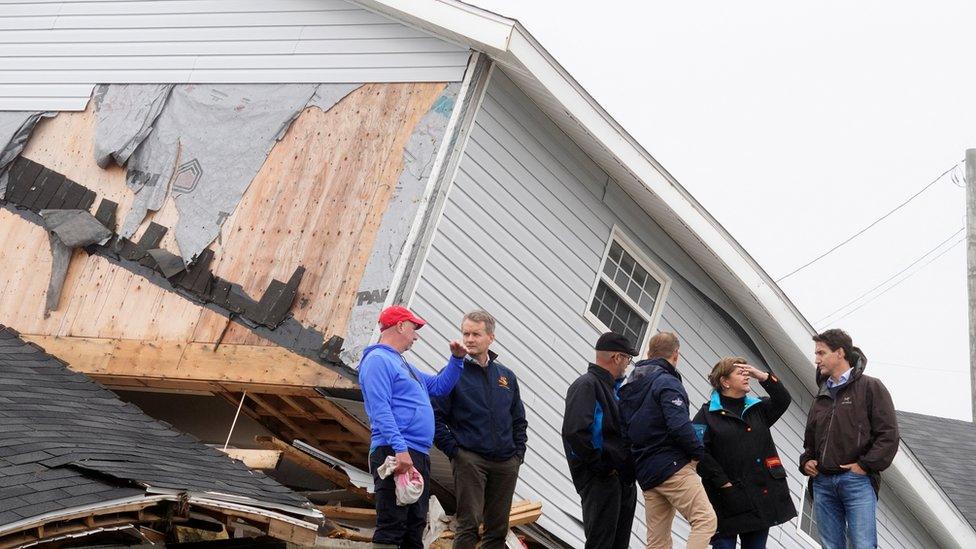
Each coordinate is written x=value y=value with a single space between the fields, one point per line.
x=599 y=457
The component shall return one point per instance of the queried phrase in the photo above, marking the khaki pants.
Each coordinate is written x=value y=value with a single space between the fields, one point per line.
x=682 y=492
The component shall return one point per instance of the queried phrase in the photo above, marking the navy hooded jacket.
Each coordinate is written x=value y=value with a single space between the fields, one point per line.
x=483 y=414
x=654 y=416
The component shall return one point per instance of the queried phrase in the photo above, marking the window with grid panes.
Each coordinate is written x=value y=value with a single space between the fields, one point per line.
x=626 y=293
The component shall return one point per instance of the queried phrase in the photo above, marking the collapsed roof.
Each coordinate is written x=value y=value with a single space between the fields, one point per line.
x=75 y=458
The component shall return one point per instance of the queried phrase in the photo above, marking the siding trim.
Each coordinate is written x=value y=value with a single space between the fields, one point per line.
x=429 y=213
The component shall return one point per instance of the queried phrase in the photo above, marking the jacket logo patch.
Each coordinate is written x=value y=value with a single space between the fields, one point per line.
x=503 y=382
x=773 y=462
x=677 y=401
x=847 y=400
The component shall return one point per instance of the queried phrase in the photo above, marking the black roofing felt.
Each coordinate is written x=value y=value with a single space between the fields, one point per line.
x=66 y=441
x=946 y=448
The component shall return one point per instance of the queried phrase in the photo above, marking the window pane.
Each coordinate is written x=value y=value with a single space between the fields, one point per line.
x=640 y=275
x=621 y=279
x=627 y=263
x=615 y=252
x=634 y=291
x=652 y=286
x=605 y=316
x=609 y=268
x=646 y=303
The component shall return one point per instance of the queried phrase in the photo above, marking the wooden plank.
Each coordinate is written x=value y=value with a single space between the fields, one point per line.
x=255 y=459
x=338 y=512
x=235 y=365
x=300 y=535
x=335 y=476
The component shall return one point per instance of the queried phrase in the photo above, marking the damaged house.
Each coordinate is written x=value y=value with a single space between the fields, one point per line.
x=207 y=203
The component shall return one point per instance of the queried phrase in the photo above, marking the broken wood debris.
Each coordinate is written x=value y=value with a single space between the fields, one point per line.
x=522 y=513
x=327 y=471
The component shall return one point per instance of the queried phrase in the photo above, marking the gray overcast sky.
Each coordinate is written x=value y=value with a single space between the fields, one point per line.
x=795 y=126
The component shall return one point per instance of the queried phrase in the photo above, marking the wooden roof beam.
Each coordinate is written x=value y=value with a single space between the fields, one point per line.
x=265 y=365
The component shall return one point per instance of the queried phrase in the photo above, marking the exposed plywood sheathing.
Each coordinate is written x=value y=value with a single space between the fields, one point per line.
x=320 y=198
x=317 y=201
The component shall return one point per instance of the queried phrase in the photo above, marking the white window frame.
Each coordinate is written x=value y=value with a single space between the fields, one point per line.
x=652 y=269
x=799 y=520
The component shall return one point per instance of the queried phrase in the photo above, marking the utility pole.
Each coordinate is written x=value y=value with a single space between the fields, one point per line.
x=971 y=267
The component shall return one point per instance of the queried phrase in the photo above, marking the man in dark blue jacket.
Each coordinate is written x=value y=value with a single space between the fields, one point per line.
x=654 y=414
x=480 y=426
x=598 y=453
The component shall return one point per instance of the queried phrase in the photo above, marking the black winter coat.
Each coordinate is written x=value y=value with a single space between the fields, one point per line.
x=592 y=438
x=740 y=450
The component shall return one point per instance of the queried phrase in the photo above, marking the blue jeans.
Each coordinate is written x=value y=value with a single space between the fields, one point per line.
x=845 y=506
x=749 y=540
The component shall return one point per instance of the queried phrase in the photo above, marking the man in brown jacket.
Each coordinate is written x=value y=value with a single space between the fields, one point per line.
x=851 y=436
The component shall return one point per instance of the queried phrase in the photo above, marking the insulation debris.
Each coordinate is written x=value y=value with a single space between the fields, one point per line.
x=124 y=117
x=15 y=128
x=419 y=155
x=194 y=151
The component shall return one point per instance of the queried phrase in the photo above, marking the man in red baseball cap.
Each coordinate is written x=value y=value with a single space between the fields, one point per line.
x=397 y=398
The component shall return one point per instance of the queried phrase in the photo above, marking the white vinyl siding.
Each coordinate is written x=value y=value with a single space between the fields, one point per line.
x=55 y=52
x=523 y=235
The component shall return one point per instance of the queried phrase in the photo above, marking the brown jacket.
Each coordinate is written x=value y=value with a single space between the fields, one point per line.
x=859 y=425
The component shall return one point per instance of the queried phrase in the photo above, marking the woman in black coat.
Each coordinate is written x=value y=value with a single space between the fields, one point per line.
x=742 y=473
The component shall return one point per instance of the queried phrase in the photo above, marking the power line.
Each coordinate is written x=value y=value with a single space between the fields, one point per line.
x=873 y=223
x=889 y=288
x=890 y=278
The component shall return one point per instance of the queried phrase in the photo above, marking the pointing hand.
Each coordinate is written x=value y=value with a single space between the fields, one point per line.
x=458 y=349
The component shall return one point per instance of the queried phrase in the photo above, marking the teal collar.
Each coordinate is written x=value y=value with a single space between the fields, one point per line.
x=715 y=405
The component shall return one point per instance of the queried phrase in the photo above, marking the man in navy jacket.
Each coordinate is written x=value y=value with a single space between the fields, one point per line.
x=397 y=399
x=654 y=414
x=480 y=426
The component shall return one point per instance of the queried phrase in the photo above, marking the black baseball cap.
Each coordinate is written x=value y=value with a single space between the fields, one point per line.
x=614 y=342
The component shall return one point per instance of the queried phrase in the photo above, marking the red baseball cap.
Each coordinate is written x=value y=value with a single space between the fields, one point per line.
x=392 y=316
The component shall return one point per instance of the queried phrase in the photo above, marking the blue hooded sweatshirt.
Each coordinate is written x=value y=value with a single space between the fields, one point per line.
x=397 y=398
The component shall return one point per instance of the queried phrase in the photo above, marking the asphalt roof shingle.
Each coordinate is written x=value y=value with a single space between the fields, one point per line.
x=946 y=448
x=66 y=441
